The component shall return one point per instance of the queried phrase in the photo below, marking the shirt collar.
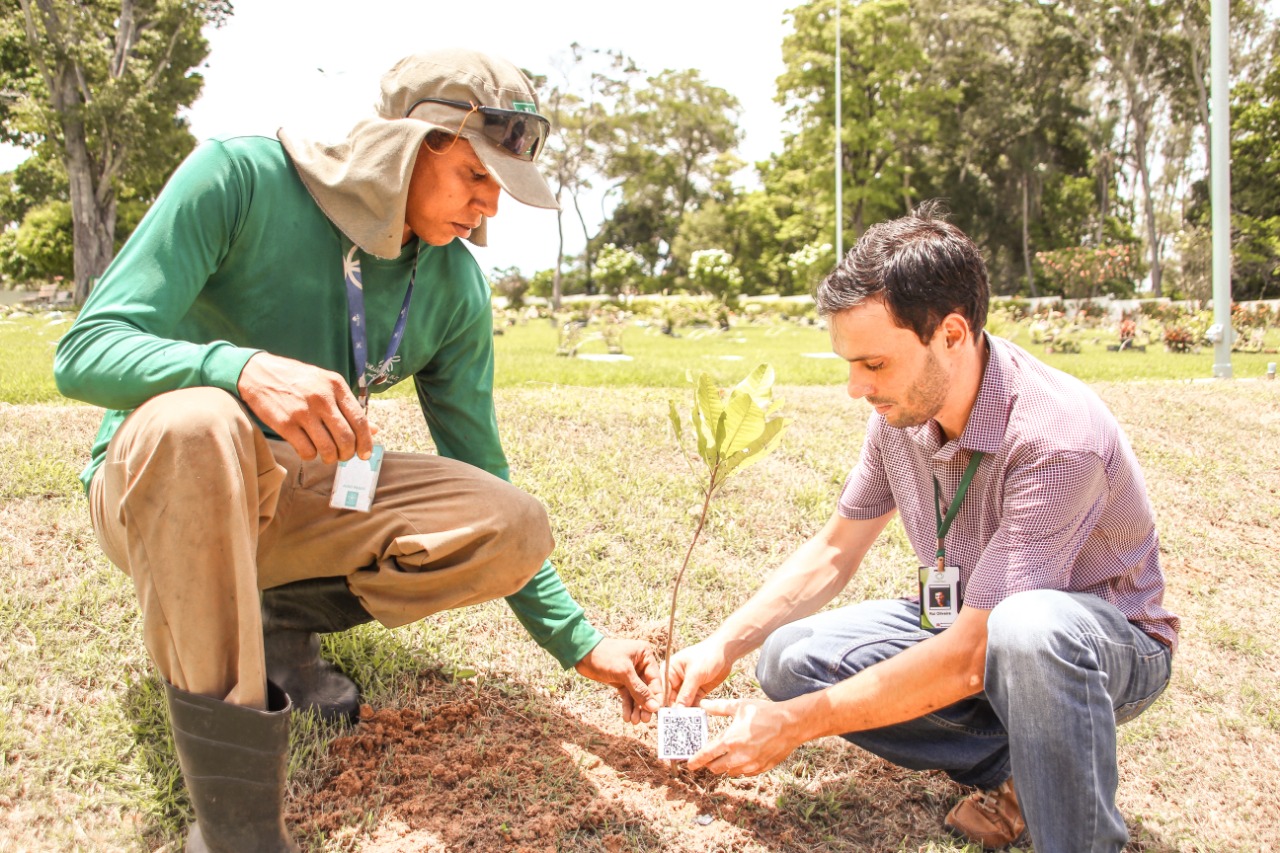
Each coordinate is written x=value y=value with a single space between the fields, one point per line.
x=985 y=429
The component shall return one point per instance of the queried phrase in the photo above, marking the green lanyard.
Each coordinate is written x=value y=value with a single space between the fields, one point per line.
x=945 y=524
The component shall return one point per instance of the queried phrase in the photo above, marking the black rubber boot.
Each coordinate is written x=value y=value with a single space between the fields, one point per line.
x=234 y=761
x=293 y=616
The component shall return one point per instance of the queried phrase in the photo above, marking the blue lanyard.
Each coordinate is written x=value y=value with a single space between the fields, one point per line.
x=372 y=374
x=944 y=524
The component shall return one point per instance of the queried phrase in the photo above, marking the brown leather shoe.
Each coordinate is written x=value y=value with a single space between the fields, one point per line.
x=989 y=818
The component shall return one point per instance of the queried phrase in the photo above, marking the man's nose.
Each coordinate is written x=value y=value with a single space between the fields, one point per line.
x=486 y=198
x=858 y=388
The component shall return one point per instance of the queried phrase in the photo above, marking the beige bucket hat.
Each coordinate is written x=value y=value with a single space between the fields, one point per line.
x=362 y=183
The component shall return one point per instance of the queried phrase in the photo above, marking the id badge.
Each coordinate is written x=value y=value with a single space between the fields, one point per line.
x=355 y=482
x=939 y=596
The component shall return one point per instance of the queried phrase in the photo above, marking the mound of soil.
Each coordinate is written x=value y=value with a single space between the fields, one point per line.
x=493 y=766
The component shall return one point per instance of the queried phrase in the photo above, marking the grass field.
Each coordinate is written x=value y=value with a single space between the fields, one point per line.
x=525 y=357
x=86 y=762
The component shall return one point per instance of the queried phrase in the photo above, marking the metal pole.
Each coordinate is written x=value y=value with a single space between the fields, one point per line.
x=839 y=149
x=1220 y=181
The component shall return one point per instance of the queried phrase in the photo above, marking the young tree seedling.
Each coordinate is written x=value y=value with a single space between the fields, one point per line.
x=732 y=434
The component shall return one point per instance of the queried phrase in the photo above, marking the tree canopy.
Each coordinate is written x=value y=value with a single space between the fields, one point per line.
x=1069 y=138
x=95 y=86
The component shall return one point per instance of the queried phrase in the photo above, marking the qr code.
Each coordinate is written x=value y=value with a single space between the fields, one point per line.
x=681 y=732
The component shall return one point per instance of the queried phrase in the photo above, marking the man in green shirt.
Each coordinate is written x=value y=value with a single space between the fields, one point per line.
x=234 y=341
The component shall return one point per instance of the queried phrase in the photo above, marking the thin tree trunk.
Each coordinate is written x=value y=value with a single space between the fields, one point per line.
x=588 y=261
x=1196 y=39
x=1144 y=173
x=556 y=278
x=93 y=212
x=1104 y=203
x=1026 y=236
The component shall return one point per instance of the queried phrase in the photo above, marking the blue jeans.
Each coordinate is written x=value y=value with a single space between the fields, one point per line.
x=1063 y=670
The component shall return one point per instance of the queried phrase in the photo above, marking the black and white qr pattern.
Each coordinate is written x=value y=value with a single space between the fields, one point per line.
x=680 y=737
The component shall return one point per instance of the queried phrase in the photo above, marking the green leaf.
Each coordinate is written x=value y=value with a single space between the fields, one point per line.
x=743 y=423
x=708 y=399
x=773 y=409
x=706 y=441
x=758 y=449
x=759 y=384
x=675 y=424
x=708 y=413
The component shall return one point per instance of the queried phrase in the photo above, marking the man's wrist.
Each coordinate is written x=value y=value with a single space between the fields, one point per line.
x=733 y=641
x=803 y=717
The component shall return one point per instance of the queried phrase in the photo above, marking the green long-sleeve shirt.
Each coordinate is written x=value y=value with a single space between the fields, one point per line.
x=234 y=258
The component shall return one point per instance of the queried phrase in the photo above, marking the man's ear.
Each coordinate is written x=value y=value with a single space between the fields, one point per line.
x=955 y=330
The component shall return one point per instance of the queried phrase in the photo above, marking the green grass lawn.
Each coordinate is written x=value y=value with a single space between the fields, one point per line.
x=526 y=357
x=26 y=358
x=86 y=762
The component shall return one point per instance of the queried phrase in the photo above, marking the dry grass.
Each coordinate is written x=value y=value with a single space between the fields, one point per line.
x=86 y=763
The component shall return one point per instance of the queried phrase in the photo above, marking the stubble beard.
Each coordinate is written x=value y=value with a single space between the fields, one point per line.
x=923 y=399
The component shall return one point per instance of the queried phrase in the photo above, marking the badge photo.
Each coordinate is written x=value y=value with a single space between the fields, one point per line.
x=939 y=596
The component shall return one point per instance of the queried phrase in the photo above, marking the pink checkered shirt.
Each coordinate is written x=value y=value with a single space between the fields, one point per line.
x=1058 y=500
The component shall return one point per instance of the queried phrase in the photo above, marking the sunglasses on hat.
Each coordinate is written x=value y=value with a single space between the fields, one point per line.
x=521 y=134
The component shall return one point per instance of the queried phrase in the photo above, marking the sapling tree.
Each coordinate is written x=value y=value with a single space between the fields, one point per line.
x=732 y=433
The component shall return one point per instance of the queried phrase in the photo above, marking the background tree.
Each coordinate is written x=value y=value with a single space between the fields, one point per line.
x=98 y=85
x=678 y=134
x=1255 y=188
x=581 y=104
x=890 y=105
x=1014 y=144
x=510 y=283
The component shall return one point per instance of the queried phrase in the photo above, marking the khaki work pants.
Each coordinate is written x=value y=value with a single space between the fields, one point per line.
x=203 y=512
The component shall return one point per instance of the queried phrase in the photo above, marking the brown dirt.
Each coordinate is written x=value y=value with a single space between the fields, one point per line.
x=492 y=766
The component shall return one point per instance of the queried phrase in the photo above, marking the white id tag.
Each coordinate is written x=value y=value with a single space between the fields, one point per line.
x=939 y=596
x=682 y=732
x=355 y=481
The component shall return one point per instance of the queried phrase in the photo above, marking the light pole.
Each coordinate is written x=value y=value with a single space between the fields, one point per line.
x=1220 y=182
x=839 y=149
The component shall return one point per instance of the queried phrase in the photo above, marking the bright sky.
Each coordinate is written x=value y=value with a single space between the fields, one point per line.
x=314 y=65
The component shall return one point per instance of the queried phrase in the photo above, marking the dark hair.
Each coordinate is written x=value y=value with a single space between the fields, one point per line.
x=922 y=266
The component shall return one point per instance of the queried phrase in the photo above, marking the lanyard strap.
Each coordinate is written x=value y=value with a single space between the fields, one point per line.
x=945 y=524
x=372 y=374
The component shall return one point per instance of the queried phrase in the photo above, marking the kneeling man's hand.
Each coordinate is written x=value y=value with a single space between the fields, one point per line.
x=631 y=667
x=761 y=735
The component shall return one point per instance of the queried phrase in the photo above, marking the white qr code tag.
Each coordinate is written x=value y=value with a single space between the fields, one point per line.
x=682 y=732
x=355 y=481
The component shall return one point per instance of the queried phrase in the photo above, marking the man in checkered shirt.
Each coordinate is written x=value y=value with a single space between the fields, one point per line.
x=1061 y=634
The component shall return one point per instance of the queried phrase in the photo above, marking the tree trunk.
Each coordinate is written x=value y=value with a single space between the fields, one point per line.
x=1197 y=44
x=588 y=262
x=93 y=212
x=1144 y=172
x=556 y=278
x=1026 y=235
x=1105 y=203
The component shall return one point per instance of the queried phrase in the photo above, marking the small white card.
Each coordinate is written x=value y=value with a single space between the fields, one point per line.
x=682 y=732
x=355 y=482
x=939 y=596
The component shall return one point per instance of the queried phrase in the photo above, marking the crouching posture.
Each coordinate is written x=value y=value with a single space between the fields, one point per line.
x=234 y=342
x=1039 y=624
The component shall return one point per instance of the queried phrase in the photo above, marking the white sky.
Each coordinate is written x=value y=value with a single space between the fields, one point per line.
x=314 y=65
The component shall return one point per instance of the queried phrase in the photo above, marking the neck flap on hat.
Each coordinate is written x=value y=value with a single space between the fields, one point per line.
x=362 y=183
